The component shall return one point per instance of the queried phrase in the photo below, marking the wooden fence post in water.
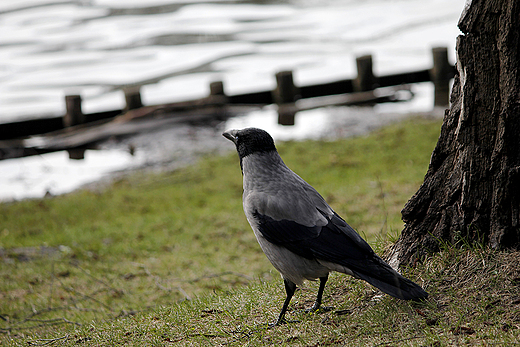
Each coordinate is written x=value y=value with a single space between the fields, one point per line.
x=73 y=115
x=76 y=153
x=217 y=98
x=133 y=97
x=216 y=88
x=284 y=96
x=440 y=74
x=365 y=79
x=217 y=94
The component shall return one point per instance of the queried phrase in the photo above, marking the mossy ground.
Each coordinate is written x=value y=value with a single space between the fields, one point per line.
x=169 y=259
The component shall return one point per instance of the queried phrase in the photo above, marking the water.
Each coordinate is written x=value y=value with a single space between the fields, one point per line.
x=51 y=48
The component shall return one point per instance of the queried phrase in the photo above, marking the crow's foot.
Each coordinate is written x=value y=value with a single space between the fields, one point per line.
x=281 y=322
x=319 y=309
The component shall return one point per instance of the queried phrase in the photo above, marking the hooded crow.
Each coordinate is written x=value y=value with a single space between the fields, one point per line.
x=299 y=232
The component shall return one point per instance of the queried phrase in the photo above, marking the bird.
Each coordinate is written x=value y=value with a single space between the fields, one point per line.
x=301 y=235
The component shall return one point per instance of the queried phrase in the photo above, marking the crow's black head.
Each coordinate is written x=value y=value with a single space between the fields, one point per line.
x=250 y=140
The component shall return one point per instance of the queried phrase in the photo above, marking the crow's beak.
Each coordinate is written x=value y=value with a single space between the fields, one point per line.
x=231 y=135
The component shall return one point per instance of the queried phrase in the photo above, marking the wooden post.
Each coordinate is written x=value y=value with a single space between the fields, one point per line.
x=218 y=99
x=132 y=97
x=76 y=153
x=440 y=75
x=284 y=96
x=73 y=115
x=216 y=88
x=216 y=93
x=365 y=79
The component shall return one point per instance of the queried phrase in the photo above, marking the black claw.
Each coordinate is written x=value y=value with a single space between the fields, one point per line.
x=272 y=325
x=319 y=309
x=281 y=322
x=312 y=309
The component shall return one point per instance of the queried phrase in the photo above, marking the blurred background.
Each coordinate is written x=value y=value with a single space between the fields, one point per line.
x=175 y=49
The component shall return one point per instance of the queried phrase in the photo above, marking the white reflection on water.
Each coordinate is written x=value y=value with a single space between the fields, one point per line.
x=51 y=48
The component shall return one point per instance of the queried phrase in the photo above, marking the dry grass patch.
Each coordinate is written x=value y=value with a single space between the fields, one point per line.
x=474 y=301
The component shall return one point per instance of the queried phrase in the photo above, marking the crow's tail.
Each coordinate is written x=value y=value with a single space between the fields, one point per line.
x=381 y=275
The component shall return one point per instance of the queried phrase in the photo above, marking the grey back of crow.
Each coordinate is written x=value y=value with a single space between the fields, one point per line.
x=298 y=231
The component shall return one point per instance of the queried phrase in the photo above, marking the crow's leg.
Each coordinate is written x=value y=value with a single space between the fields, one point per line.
x=317 y=303
x=290 y=288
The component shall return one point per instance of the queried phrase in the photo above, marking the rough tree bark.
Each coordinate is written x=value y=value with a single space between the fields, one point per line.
x=472 y=187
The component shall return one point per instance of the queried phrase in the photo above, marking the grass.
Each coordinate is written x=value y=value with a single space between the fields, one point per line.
x=169 y=259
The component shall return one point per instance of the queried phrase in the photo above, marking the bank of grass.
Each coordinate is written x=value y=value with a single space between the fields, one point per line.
x=169 y=259
x=474 y=301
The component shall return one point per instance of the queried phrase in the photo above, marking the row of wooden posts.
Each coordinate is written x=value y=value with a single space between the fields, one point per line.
x=287 y=93
x=286 y=96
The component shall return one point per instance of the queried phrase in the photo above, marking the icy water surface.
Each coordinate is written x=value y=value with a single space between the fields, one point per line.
x=174 y=49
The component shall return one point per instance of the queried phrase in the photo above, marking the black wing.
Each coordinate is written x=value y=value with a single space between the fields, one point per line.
x=334 y=242
x=338 y=243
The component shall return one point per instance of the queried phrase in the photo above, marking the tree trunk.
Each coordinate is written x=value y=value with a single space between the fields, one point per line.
x=472 y=187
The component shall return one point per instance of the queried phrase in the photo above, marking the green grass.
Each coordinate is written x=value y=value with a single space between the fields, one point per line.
x=169 y=259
